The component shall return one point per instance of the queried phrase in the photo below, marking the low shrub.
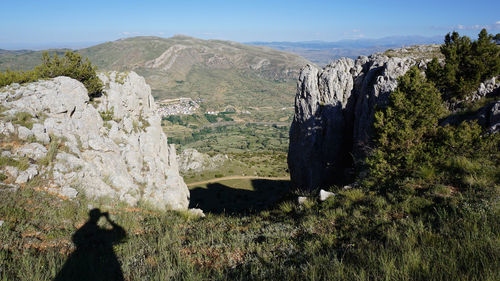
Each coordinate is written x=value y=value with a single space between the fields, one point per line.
x=71 y=65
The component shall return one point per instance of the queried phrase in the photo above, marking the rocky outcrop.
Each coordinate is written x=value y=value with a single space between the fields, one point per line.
x=334 y=111
x=487 y=116
x=191 y=160
x=111 y=147
x=335 y=107
x=490 y=87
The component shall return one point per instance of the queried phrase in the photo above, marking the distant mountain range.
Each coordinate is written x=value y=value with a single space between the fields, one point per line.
x=220 y=73
x=321 y=52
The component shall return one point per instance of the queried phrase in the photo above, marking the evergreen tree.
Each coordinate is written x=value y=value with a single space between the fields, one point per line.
x=466 y=64
x=404 y=128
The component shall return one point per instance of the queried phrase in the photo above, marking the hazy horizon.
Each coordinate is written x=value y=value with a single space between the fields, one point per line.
x=82 y=45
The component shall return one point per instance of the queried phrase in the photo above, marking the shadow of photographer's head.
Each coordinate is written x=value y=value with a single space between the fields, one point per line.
x=95 y=215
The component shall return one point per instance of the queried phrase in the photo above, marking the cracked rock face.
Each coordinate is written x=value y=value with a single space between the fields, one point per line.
x=334 y=111
x=126 y=156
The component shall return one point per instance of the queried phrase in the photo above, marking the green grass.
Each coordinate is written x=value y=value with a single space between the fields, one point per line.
x=22 y=164
x=23 y=119
x=356 y=235
x=51 y=152
x=107 y=115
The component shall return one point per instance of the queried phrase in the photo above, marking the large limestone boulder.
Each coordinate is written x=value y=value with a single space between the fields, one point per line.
x=335 y=108
x=334 y=111
x=124 y=156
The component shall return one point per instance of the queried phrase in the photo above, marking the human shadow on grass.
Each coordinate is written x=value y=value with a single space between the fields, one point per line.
x=94 y=257
x=218 y=198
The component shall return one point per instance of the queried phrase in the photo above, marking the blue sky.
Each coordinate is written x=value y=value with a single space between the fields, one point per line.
x=41 y=24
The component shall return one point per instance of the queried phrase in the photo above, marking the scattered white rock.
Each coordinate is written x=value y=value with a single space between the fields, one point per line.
x=27 y=175
x=301 y=200
x=196 y=212
x=9 y=188
x=6 y=128
x=24 y=133
x=1 y=222
x=190 y=160
x=31 y=150
x=65 y=191
x=323 y=195
x=40 y=133
x=12 y=171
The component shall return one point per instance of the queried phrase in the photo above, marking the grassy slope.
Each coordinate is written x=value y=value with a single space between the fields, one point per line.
x=354 y=236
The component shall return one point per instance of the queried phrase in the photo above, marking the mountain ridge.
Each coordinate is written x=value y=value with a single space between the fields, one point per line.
x=324 y=52
x=182 y=66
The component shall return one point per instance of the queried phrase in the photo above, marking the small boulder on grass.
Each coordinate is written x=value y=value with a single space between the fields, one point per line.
x=196 y=212
x=301 y=200
x=323 y=195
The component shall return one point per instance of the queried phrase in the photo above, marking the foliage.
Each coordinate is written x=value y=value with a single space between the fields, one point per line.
x=413 y=152
x=466 y=64
x=22 y=164
x=405 y=128
x=107 y=115
x=23 y=119
x=71 y=65
x=51 y=152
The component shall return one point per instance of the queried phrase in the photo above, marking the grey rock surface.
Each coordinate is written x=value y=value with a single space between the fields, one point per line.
x=40 y=133
x=335 y=106
x=12 y=171
x=27 y=175
x=65 y=191
x=489 y=87
x=6 y=128
x=487 y=116
x=127 y=158
x=34 y=150
x=190 y=160
x=24 y=133
x=334 y=112
x=494 y=118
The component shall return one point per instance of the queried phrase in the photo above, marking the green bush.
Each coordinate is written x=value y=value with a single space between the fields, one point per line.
x=71 y=65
